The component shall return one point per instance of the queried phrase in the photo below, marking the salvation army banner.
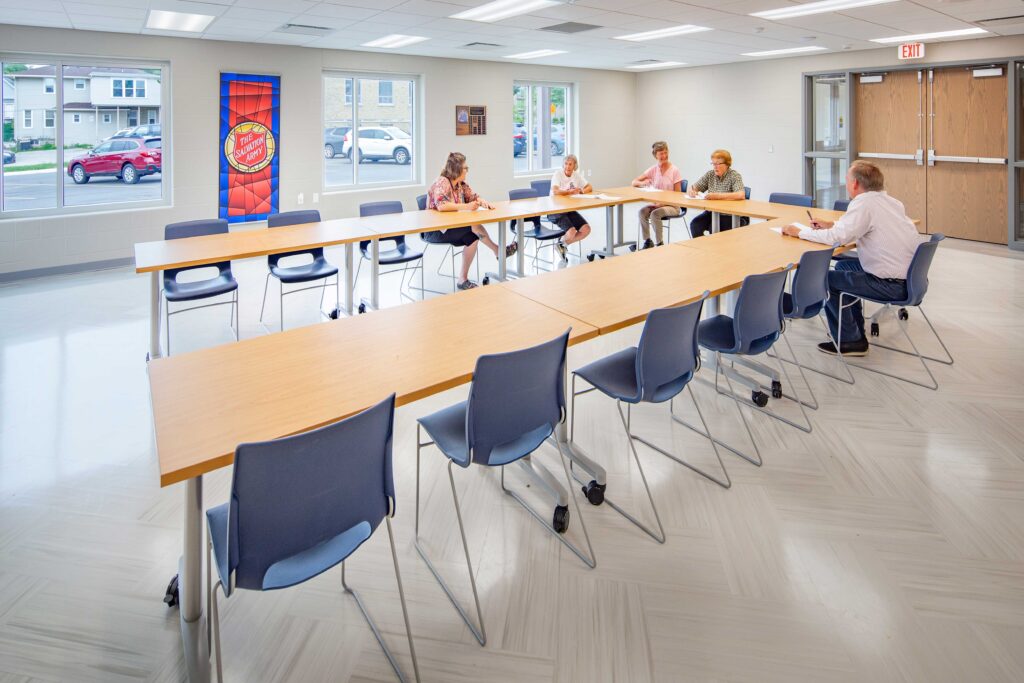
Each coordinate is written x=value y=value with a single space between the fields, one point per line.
x=250 y=125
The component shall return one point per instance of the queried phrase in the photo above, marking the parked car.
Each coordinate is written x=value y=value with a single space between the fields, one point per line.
x=146 y=130
x=127 y=159
x=380 y=143
x=518 y=140
x=557 y=142
x=9 y=157
x=334 y=141
x=123 y=133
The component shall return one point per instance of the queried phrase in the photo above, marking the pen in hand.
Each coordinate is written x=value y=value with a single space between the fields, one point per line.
x=813 y=224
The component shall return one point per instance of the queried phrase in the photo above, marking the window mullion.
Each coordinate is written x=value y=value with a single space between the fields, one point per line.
x=58 y=132
x=353 y=153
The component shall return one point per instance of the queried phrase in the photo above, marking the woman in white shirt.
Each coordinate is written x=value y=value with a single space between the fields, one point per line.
x=569 y=181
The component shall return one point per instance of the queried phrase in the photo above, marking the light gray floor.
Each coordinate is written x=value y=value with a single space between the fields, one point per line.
x=886 y=545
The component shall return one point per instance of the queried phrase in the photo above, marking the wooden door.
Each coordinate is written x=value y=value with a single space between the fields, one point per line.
x=889 y=130
x=967 y=155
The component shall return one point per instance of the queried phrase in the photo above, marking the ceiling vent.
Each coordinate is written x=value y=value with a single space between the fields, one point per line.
x=647 y=61
x=570 y=27
x=481 y=46
x=305 y=30
x=1002 y=21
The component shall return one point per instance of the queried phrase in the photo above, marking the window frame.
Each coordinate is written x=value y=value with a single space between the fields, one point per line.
x=571 y=115
x=391 y=94
x=28 y=118
x=59 y=62
x=76 y=117
x=82 y=82
x=415 y=107
x=49 y=86
x=51 y=116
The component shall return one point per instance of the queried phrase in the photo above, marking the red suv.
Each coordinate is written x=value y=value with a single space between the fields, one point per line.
x=125 y=158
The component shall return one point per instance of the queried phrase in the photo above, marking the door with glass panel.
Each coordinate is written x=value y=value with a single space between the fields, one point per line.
x=890 y=131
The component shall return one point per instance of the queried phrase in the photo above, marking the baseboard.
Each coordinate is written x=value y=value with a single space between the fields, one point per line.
x=17 y=275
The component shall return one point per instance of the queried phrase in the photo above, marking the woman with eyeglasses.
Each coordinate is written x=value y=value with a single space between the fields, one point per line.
x=721 y=182
x=450 y=192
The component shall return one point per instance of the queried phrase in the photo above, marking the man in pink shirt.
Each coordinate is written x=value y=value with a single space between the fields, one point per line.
x=662 y=176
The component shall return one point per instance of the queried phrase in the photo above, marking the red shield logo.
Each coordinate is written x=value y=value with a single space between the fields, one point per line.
x=250 y=147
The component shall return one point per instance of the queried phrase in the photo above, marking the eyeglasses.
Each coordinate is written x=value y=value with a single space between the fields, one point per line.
x=718 y=163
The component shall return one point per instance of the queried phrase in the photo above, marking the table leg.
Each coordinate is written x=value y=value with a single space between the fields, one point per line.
x=375 y=274
x=502 y=274
x=350 y=284
x=716 y=222
x=621 y=224
x=190 y=586
x=154 y=315
x=521 y=251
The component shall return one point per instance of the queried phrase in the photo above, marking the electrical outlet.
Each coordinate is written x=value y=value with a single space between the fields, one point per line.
x=316 y=197
x=771 y=149
x=300 y=200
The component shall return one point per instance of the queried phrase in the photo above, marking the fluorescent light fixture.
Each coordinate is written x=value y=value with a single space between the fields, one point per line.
x=178 y=21
x=931 y=36
x=655 y=65
x=395 y=40
x=503 y=9
x=664 y=33
x=816 y=8
x=786 y=51
x=535 y=54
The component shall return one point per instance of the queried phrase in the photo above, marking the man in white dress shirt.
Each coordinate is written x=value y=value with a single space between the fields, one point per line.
x=886 y=243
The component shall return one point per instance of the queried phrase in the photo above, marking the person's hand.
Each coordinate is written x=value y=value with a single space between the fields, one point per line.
x=691 y=192
x=821 y=225
x=637 y=183
x=791 y=230
x=576 y=190
x=471 y=206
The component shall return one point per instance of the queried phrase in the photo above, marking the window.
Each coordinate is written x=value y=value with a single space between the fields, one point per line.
x=71 y=139
x=379 y=129
x=826 y=150
x=133 y=118
x=542 y=126
x=151 y=117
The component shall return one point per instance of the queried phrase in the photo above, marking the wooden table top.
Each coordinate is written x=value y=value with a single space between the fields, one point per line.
x=207 y=402
x=757 y=245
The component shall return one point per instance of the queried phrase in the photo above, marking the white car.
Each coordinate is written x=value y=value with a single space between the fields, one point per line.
x=380 y=143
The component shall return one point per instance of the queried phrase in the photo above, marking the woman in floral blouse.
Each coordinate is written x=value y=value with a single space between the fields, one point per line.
x=451 y=193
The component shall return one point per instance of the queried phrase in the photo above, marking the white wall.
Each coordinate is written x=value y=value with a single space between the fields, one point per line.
x=749 y=108
x=605 y=132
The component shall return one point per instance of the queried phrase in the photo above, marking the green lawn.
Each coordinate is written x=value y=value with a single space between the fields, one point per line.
x=29 y=167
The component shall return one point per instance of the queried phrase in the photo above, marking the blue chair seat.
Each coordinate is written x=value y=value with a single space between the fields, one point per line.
x=788 y=310
x=542 y=234
x=316 y=560
x=718 y=334
x=190 y=291
x=317 y=269
x=447 y=427
x=615 y=376
x=401 y=254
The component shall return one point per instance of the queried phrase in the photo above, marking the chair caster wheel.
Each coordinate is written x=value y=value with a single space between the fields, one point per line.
x=171 y=594
x=874 y=329
x=776 y=389
x=590 y=258
x=335 y=314
x=903 y=314
x=594 y=492
x=632 y=247
x=362 y=308
x=759 y=398
x=147 y=356
x=486 y=280
x=560 y=522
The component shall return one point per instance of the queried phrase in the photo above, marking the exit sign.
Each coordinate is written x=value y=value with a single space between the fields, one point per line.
x=911 y=51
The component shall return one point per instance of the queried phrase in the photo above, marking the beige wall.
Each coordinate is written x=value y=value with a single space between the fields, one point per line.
x=605 y=132
x=751 y=108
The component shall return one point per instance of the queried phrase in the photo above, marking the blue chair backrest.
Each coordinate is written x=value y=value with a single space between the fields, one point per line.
x=280 y=220
x=292 y=494
x=757 y=320
x=668 y=346
x=810 y=284
x=791 y=198
x=917 y=273
x=684 y=185
x=380 y=209
x=746 y=192
x=542 y=187
x=516 y=395
x=841 y=205
x=206 y=226
x=421 y=201
x=524 y=193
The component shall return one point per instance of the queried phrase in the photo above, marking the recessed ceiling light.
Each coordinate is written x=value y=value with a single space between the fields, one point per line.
x=395 y=40
x=178 y=21
x=931 y=36
x=503 y=9
x=664 y=33
x=786 y=51
x=535 y=54
x=816 y=8
x=655 y=65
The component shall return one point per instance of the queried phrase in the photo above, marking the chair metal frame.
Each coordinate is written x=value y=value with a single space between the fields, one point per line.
x=282 y=294
x=166 y=305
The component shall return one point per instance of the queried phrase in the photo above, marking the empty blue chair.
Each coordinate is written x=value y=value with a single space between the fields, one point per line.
x=515 y=402
x=841 y=205
x=301 y=505
x=318 y=268
x=753 y=329
x=222 y=283
x=421 y=202
x=400 y=255
x=542 y=237
x=655 y=371
x=666 y=222
x=740 y=220
x=791 y=198
x=917 y=287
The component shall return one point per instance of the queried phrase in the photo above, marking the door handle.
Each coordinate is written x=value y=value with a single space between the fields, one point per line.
x=955 y=159
x=886 y=155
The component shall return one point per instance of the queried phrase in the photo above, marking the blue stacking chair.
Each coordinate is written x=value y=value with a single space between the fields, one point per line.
x=791 y=198
x=655 y=371
x=543 y=189
x=917 y=287
x=515 y=402
x=400 y=255
x=753 y=329
x=222 y=283
x=841 y=205
x=541 y=236
x=318 y=268
x=666 y=222
x=746 y=195
x=421 y=202
x=299 y=506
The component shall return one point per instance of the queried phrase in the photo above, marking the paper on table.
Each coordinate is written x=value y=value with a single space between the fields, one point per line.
x=801 y=226
x=776 y=229
x=648 y=189
x=593 y=196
